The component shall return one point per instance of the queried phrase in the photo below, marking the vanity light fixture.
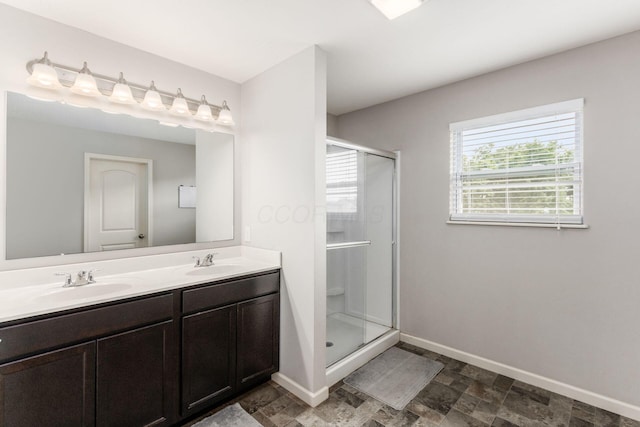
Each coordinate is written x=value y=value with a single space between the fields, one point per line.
x=85 y=84
x=122 y=92
x=204 y=111
x=224 y=117
x=44 y=75
x=152 y=100
x=180 y=106
x=395 y=8
x=50 y=82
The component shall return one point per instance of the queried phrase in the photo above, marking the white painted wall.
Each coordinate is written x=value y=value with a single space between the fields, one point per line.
x=561 y=304
x=283 y=150
x=45 y=186
x=24 y=36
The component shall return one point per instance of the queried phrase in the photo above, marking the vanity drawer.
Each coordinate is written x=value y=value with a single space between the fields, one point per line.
x=45 y=334
x=230 y=292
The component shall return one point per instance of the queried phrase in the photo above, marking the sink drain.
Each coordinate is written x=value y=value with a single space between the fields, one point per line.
x=329 y=344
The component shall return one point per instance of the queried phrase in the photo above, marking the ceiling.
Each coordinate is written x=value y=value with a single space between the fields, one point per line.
x=370 y=59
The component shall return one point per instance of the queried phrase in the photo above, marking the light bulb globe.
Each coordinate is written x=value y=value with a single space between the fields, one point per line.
x=122 y=94
x=44 y=76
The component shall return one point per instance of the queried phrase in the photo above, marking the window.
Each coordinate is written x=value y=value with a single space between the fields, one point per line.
x=522 y=167
x=342 y=181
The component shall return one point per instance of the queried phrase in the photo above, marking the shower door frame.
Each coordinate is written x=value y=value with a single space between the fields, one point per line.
x=395 y=320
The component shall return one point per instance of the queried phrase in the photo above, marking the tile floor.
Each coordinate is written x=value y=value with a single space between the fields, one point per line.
x=461 y=395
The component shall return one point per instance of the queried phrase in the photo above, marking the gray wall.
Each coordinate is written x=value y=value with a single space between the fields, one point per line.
x=45 y=185
x=332 y=125
x=562 y=304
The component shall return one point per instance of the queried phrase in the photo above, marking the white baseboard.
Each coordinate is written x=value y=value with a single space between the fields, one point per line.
x=598 y=400
x=308 y=397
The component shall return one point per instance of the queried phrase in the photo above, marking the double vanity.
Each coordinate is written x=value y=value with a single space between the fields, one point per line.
x=151 y=346
x=145 y=340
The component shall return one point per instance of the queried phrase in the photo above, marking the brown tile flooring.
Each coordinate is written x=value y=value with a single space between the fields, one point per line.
x=461 y=395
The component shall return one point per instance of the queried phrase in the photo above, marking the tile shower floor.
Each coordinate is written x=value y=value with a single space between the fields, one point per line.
x=461 y=395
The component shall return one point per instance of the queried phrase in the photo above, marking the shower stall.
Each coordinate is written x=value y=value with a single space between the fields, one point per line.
x=361 y=239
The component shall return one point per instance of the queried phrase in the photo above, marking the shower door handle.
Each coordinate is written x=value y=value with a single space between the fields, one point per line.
x=345 y=245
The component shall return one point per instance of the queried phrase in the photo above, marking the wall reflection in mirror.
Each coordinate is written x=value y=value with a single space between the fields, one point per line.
x=81 y=180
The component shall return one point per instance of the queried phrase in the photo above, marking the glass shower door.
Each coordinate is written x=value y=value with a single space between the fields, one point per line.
x=346 y=293
x=346 y=252
x=359 y=249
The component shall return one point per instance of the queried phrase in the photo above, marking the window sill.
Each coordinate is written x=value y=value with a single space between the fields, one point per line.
x=520 y=224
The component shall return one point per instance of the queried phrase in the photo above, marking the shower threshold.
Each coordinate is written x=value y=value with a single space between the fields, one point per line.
x=348 y=334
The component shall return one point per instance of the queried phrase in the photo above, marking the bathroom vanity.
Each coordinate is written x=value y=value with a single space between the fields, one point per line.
x=156 y=339
x=141 y=357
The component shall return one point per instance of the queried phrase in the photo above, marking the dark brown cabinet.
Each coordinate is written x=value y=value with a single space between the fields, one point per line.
x=208 y=357
x=50 y=389
x=258 y=332
x=134 y=374
x=121 y=374
x=230 y=348
x=145 y=361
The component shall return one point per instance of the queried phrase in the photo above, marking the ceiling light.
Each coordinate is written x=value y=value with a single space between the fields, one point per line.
x=152 y=99
x=394 y=8
x=180 y=106
x=224 y=117
x=85 y=84
x=204 y=111
x=44 y=75
x=122 y=92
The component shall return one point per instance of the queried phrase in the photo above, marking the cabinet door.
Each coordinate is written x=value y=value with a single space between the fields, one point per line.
x=50 y=389
x=135 y=371
x=208 y=357
x=258 y=332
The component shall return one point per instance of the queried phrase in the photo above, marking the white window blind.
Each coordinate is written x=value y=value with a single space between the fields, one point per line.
x=342 y=182
x=524 y=166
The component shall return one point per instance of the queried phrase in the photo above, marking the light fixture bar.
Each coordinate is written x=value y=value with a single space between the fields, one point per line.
x=68 y=75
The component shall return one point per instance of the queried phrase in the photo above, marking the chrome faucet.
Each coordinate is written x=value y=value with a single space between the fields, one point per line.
x=82 y=278
x=207 y=261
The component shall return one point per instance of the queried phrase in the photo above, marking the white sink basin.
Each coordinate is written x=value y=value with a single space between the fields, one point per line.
x=81 y=292
x=214 y=269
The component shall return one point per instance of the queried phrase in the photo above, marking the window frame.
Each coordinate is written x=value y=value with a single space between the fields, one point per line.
x=456 y=168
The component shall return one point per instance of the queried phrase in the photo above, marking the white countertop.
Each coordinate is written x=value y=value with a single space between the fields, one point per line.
x=41 y=293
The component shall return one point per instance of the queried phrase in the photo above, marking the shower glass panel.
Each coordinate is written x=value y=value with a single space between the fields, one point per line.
x=346 y=274
x=360 y=234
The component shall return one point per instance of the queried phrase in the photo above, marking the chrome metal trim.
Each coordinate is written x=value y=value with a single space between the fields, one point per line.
x=331 y=246
x=351 y=146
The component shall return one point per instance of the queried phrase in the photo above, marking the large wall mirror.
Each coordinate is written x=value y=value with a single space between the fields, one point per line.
x=81 y=180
